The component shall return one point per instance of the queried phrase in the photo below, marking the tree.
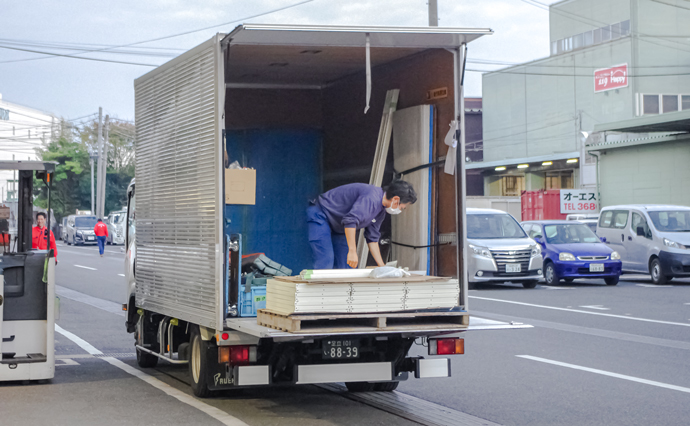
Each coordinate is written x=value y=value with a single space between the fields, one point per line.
x=70 y=148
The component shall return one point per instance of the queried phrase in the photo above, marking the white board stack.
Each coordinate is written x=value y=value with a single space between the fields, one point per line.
x=291 y=295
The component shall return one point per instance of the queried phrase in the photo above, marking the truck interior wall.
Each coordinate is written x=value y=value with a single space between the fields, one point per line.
x=350 y=136
x=276 y=132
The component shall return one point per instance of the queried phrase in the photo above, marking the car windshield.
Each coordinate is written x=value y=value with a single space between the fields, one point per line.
x=481 y=226
x=85 y=222
x=671 y=221
x=570 y=234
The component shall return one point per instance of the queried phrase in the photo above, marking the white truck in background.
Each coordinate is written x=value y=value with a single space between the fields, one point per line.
x=185 y=301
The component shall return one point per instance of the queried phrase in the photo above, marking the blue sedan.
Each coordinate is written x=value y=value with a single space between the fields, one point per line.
x=571 y=250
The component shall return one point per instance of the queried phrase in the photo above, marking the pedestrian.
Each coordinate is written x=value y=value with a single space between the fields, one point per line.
x=101 y=231
x=334 y=218
x=39 y=235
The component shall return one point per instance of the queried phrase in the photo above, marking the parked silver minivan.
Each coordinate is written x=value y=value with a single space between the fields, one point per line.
x=116 y=227
x=499 y=250
x=651 y=239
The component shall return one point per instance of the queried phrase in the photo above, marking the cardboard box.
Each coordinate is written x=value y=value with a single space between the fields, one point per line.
x=240 y=186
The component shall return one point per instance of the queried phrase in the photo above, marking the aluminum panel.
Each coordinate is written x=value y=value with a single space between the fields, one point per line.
x=179 y=187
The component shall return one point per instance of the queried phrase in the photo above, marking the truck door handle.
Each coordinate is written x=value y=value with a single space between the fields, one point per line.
x=622 y=238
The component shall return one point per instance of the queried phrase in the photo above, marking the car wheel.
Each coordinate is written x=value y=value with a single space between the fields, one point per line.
x=658 y=277
x=611 y=280
x=529 y=284
x=550 y=274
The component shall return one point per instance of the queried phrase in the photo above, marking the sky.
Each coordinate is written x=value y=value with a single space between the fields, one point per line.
x=72 y=88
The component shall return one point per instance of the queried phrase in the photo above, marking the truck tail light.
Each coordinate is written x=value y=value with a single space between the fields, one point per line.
x=454 y=346
x=236 y=355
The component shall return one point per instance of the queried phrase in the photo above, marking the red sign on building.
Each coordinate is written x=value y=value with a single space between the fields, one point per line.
x=611 y=78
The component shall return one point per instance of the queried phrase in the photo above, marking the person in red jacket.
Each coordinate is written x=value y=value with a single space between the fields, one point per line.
x=101 y=231
x=39 y=235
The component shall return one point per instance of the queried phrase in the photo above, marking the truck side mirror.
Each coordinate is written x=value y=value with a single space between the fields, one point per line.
x=640 y=231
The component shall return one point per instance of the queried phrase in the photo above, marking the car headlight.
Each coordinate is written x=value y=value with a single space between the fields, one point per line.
x=673 y=244
x=80 y=233
x=481 y=251
x=615 y=256
x=566 y=257
x=536 y=250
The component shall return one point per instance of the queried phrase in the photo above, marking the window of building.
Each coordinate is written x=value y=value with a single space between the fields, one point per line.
x=512 y=186
x=669 y=103
x=685 y=102
x=578 y=41
x=588 y=40
x=561 y=179
x=597 y=36
x=554 y=48
x=625 y=28
x=615 y=31
x=606 y=33
x=650 y=104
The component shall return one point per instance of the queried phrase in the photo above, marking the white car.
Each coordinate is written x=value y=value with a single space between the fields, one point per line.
x=499 y=250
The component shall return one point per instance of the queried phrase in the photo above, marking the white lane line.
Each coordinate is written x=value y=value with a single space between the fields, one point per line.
x=122 y=275
x=597 y=307
x=607 y=373
x=653 y=286
x=549 y=287
x=86 y=267
x=214 y=412
x=106 y=305
x=66 y=361
x=581 y=312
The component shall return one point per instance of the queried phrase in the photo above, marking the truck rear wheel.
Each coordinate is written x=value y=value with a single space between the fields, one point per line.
x=145 y=360
x=360 y=386
x=198 y=364
x=386 y=386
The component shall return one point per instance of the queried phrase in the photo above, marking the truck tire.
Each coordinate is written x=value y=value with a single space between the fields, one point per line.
x=198 y=364
x=360 y=386
x=529 y=284
x=658 y=277
x=145 y=360
x=386 y=386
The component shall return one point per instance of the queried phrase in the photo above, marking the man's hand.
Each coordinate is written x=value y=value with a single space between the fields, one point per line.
x=352 y=259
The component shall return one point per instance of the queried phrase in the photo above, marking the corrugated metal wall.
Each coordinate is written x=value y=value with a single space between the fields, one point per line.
x=178 y=188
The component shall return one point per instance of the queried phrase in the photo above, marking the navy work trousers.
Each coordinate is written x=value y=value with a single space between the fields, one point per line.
x=329 y=249
x=101 y=244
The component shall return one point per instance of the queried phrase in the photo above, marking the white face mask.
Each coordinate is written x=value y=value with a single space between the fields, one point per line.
x=394 y=211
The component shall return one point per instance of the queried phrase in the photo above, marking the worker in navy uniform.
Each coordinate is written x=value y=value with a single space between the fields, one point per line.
x=335 y=217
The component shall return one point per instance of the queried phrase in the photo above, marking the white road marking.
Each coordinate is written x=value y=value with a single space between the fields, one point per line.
x=549 y=287
x=86 y=267
x=598 y=307
x=214 y=412
x=122 y=275
x=66 y=361
x=607 y=373
x=653 y=286
x=581 y=312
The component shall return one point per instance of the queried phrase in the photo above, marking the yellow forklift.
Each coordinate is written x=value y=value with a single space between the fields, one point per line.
x=27 y=285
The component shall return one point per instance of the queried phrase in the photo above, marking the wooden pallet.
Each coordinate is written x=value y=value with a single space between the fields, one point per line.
x=395 y=321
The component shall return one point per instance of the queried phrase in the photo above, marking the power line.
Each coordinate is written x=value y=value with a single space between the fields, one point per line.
x=76 y=57
x=165 y=37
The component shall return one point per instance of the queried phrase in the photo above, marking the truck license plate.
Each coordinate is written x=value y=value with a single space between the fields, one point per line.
x=510 y=268
x=596 y=267
x=340 y=349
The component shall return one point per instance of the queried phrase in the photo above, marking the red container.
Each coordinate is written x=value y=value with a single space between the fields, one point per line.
x=541 y=205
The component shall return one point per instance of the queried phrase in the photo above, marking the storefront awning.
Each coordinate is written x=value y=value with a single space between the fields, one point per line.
x=670 y=122
x=526 y=160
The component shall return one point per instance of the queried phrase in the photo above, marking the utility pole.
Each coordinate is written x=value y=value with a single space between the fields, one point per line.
x=104 y=162
x=99 y=147
x=93 y=156
x=433 y=13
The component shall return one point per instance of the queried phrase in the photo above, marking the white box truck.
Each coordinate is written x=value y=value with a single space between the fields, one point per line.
x=288 y=102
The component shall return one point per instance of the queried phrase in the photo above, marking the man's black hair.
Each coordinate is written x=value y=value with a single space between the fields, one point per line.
x=402 y=189
x=100 y=220
x=41 y=214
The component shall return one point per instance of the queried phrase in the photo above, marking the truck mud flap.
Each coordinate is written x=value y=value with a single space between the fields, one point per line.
x=239 y=376
x=427 y=368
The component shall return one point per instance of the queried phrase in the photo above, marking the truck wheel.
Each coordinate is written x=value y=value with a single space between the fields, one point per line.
x=611 y=280
x=360 y=386
x=198 y=364
x=529 y=284
x=550 y=275
x=386 y=387
x=658 y=277
x=146 y=360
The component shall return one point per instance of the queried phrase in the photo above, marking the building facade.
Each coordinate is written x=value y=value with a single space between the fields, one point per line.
x=22 y=130
x=611 y=62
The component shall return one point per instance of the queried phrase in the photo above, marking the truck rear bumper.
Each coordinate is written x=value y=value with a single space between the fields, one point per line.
x=334 y=373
